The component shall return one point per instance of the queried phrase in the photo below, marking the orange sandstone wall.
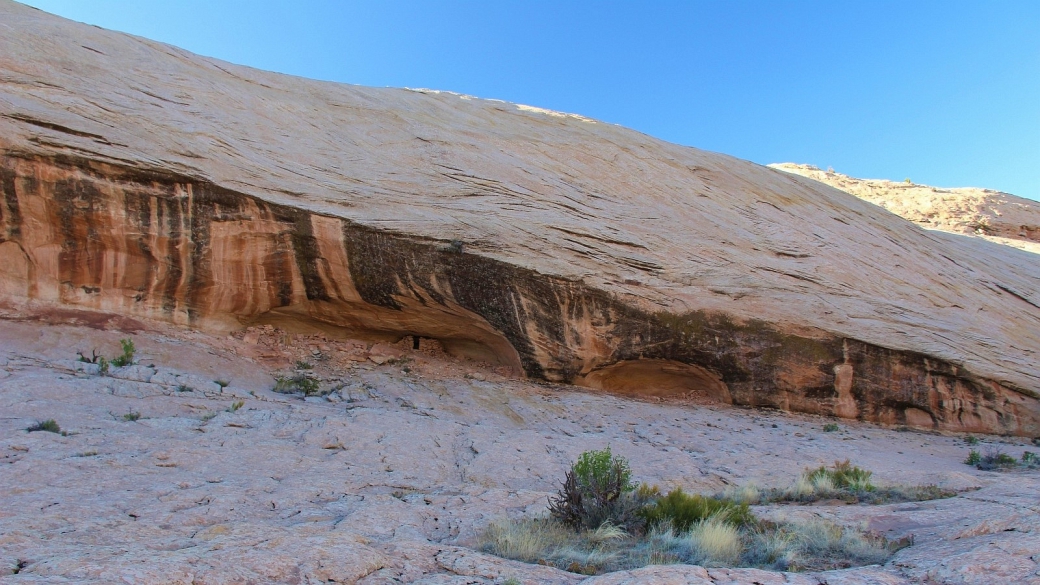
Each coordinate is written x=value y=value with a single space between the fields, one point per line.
x=96 y=236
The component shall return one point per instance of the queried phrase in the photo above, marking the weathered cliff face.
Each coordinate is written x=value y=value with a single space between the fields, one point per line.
x=155 y=245
x=567 y=249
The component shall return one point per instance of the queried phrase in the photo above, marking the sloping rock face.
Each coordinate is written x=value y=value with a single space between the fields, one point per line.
x=993 y=215
x=143 y=180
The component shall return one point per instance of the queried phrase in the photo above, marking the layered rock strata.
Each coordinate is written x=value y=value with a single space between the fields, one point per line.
x=143 y=180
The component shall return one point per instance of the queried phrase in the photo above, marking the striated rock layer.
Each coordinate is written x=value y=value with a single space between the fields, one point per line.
x=143 y=180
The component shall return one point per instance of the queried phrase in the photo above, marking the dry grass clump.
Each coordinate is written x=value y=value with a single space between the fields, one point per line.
x=842 y=481
x=638 y=526
x=713 y=542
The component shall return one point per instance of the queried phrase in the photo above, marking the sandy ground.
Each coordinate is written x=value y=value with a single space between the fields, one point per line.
x=391 y=477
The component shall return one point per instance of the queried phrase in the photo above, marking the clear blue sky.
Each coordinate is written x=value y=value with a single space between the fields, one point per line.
x=943 y=92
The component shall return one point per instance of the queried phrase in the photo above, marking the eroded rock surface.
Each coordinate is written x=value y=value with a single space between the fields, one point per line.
x=140 y=179
x=391 y=477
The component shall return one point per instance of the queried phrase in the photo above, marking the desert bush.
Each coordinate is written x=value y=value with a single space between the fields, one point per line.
x=1030 y=459
x=302 y=365
x=682 y=511
x=132 y=416
x=971 y=440
x=974 y=457
x=236 y=405
x=48 y=425
x=598 y=488
x=994 y=460
x=298 y=383
x=831 y=427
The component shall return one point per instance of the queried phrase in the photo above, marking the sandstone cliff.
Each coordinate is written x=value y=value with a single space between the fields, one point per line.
x=141 y=179
x=992 y=215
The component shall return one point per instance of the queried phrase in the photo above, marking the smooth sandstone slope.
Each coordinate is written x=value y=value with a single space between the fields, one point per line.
x=992 y=215
x=144 y=180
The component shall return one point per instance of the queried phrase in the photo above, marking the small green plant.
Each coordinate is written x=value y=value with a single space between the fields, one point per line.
x=1030 y=458
x=302 y=365
x=907 y=181
x=209 y=416
x=132 y=416
x=235 y=406
x=48 y=425
x=971 y=440
x=128 y=353
x=222 y=383
x=831 y=427
x=102 y=366
x=296 y=384
x=974 y=458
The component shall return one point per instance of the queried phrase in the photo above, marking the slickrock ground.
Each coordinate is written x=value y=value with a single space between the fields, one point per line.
x=143 y=180
x=391 y=478
x=992 y=215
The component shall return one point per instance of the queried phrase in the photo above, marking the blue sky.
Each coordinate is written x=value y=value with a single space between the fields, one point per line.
x=943 y=92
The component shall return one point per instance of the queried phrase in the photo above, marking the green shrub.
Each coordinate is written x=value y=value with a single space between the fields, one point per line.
x=48 y=425
x=974 y=457
x=995 y=459
x=297 y=383
x=222 y=383
x=831 y=427
x=128 y=353
x=682 y=511
x=1030 y=458
x=598 y=489
x=132 y=416
x=302 y=365
x=102 y=365
x=235 y=406
x=971 y=440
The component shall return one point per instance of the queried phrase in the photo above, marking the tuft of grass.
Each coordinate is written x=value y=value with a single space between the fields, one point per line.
x=831 y=427
x=48 y=425
x=971 y=440
x=1029 y=459
x=302 y=365
x=209 y=416
x=299 y=383
x=235 y=406
x=132 y=416
x=715 y=541
x=102 y=366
